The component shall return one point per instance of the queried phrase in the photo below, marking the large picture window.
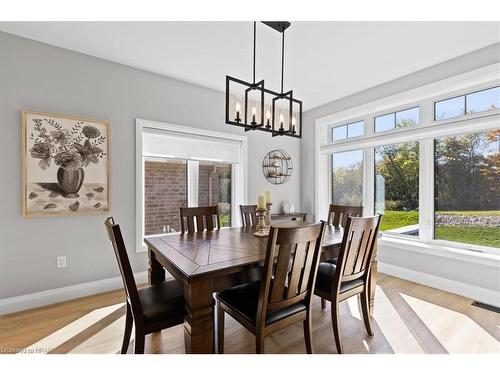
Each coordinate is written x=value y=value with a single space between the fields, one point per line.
x=467 y=189
x=347 y=178
x=430 y=165
x=396 y=187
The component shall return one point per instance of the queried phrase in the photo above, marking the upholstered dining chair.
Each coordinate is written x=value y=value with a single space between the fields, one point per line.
x=350 y=275
x=248 y=215
x=149 y=309
x=283 y=296
x=197 y=219
x=337 y=216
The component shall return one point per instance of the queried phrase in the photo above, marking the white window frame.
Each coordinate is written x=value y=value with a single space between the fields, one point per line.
x=394 y=112
x=425 y=132
x=239 y=178
x=464 y=95
x=331 y=127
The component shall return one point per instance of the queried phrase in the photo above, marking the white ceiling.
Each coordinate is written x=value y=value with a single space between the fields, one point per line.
x=324 y=60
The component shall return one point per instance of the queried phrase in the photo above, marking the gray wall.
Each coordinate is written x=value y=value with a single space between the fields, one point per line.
x=478 y=275
x=39 y=77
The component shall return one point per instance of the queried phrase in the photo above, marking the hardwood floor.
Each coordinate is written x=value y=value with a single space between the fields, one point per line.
x=408 y=318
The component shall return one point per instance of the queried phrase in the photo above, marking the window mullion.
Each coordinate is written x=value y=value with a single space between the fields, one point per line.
x=192 y=183
x=426 y=189
x=368 y=181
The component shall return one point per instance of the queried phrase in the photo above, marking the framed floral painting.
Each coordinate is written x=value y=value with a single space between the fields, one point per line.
x=65 y=165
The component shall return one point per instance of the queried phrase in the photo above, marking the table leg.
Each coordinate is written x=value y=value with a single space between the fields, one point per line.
x=156 y=272
x=199 y=324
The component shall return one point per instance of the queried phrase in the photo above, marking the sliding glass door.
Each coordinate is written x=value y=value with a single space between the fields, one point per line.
x=173 y=183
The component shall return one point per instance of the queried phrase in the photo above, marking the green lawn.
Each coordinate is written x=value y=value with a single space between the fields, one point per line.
x=398 y=219
x=469 y=234
x=476 y=235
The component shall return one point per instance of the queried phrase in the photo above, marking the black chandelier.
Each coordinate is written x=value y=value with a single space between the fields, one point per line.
x=278 y=113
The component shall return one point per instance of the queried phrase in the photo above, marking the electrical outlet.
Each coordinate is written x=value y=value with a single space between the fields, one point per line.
x=61 y=262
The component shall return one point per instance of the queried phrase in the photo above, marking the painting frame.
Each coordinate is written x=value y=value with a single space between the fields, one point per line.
x=25 y=155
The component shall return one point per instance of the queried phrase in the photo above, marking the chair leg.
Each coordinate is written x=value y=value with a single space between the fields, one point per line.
x=323 y=304
x=336 y=327
x=139 y=341
x=259 y=343
x=365 y=309
x=220 y=330
x=128 y=330
x=307 y=334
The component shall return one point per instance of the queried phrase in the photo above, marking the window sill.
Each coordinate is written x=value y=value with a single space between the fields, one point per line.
x=440 y=250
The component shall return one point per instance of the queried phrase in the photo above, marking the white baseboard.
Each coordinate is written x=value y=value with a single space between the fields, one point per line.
x=491 y=297
x=47 y=297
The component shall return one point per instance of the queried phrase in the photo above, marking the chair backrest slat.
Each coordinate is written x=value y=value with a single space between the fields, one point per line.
x=356 y=252
x=281 y=273
x=199 y=223
x=203 y=217
x=308 y=266
x=295 y=273
x=290 y=267
x=115 y=236
x=248 y=215
x=210 y=222
x=337 y=215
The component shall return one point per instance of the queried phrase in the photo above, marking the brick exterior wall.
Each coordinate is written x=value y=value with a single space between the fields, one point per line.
x=165 y=191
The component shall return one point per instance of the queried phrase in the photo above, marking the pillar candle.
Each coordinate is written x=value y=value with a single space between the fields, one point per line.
x=267 y=193
x=261 y=202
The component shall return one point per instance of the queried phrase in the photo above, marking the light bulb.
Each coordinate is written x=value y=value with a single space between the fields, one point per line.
x=238 y=106
x=254 y=110
x=268 y=114
x=281 y=117
x=293 y=120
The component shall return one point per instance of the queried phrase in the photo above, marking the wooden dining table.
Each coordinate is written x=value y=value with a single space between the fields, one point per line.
x=210 y=261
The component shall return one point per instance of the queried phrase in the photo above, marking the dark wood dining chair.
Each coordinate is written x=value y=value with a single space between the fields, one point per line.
x=248 y=215
x=337 y=215
x=283 y=296
x=150 y=309
x=351 y=274
x=202 y=216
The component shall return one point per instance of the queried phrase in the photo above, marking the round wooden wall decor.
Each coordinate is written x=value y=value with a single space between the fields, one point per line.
x=277 y=167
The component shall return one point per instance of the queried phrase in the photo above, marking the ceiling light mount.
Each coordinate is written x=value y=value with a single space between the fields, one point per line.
x=279 y=26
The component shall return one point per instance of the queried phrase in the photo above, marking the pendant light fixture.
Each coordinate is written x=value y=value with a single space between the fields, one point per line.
x=252 y=106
